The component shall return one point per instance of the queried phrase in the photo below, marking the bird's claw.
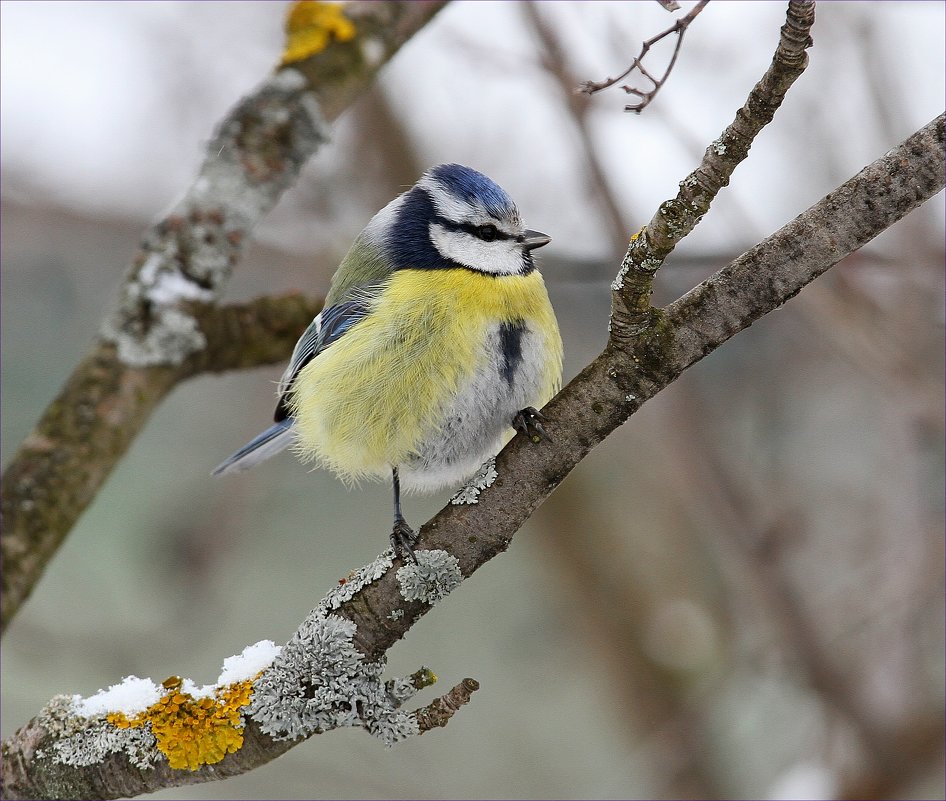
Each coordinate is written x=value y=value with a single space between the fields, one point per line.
x=403 y=538
x=528 y=421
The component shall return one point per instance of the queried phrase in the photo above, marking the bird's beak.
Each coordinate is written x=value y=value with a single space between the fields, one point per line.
x=534 y=239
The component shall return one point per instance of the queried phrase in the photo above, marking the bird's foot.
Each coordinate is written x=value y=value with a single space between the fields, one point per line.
x=528 y=421
x=403 y=538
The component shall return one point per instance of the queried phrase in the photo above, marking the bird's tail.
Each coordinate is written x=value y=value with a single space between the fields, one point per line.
x=274 y=439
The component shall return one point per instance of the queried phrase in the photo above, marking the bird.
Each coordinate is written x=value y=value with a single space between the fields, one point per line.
x=436 y=343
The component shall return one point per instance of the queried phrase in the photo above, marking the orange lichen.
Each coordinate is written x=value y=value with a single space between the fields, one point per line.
x=190 y=731
x=311 y=25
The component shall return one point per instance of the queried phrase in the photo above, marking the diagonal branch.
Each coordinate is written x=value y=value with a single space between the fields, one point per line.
x=615 y=385
x=156 y=335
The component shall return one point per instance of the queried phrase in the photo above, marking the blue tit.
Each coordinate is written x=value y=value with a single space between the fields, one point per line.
x=437 y=339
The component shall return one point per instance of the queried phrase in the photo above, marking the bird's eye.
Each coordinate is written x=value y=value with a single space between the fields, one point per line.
x=487 y=232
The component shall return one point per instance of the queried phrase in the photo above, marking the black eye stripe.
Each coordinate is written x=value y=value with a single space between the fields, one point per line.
x=473 y=230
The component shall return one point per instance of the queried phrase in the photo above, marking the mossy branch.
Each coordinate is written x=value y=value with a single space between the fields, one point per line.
x=61 y=465
x=162 y=329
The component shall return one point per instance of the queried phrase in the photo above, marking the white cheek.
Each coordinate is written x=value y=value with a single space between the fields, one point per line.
x=498 y=258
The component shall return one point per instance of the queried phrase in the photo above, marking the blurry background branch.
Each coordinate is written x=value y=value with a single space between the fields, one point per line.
x=679 y=28
x=255 y=155
x=579 y=108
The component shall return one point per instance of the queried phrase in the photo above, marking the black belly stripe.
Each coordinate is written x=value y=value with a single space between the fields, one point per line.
x=510 y=343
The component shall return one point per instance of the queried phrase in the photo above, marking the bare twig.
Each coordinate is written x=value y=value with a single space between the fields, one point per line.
x=553 y=59
x=679 y=27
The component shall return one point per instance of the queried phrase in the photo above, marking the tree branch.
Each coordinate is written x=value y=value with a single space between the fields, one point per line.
x=438 y=712
x=158 y=336
x=676 y=218
x=616 y=384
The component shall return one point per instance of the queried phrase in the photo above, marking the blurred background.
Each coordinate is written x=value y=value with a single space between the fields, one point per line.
x=739 y=594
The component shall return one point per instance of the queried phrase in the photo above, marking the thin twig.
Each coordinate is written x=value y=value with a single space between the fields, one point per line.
x=679 y=27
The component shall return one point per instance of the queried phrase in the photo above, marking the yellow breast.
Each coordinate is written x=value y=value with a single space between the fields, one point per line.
x=370 y=399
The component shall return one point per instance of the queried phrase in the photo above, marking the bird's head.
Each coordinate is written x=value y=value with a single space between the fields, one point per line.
x=455 y=216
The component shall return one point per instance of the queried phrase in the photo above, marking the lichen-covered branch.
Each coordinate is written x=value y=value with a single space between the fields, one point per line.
x=677 y=217
x=139 y=736
x=156 y=336
x=615 y=385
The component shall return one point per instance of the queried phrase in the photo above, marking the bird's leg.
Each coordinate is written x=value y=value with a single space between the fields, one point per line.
x=529 y=422
x=403 y=536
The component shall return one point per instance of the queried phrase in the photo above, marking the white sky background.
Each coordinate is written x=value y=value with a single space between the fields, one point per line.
x=105 y=105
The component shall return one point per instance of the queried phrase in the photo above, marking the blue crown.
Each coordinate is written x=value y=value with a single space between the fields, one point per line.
x=474 y=188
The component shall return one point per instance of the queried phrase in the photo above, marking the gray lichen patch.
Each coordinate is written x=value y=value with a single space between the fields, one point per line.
x=483 y=478
x=83 y=741
x=149 y=327
x=436 y=574
x=253 y=156
x=355 y=581
x=320 y=681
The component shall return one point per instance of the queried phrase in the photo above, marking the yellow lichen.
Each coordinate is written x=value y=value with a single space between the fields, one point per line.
x=311 y=25
x=190 y=731
x=637 y=234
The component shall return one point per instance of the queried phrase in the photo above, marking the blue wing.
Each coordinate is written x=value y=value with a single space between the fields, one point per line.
x=273 y=440
x=327 y=327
